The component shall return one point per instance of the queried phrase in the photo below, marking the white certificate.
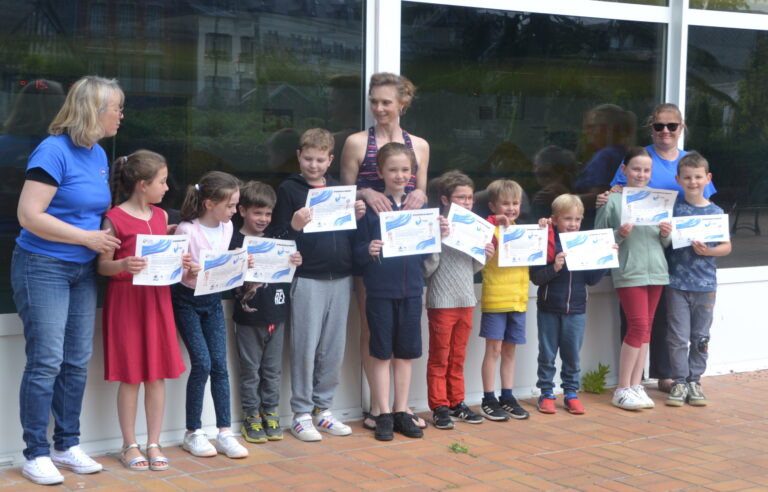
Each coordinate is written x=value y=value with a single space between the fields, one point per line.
x=469 y=232
x=704 y=228
x=521 y=245
x=221 y=270
x=163 y=255
x=333 y=208
x=410 y=232
x=271 y=259
x=646 y=206
x=590 y=250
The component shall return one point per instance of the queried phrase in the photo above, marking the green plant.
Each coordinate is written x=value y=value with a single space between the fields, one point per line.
x=458 y=448
x=594 y=381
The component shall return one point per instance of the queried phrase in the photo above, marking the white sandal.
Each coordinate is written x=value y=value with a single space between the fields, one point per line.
x=133 y=464
x=158 y=463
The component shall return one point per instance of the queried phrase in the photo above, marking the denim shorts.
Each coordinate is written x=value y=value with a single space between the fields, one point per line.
x=395 y=326
x=509 y=327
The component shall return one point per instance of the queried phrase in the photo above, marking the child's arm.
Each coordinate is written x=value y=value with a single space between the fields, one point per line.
x=722 y=249
x=541 y=275
x=362 y=241
x=608 y=218
x=430 y=264
x=288 y=223
x=108 y=266
x=665 y=233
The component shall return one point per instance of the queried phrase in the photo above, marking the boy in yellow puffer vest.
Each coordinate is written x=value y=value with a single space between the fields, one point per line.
x=504 y=302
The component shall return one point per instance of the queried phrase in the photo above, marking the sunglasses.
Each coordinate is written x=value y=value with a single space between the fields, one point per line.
x=660 y=126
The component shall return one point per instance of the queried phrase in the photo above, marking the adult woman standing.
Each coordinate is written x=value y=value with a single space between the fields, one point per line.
x=666 y=125
x=53 y=274
x=389 y=96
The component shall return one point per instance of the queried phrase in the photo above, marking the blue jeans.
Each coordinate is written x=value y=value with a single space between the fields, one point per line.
x=200 y=321
x=56 y=301
x=564 y=332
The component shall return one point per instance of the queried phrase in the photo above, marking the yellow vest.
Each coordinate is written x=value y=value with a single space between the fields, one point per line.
x=505 y=289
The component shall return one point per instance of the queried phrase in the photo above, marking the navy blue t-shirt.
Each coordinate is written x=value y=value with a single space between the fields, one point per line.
x=687 y=270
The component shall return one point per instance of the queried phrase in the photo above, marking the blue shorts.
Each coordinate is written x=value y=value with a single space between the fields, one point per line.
x=509 y=327
x=395 y=326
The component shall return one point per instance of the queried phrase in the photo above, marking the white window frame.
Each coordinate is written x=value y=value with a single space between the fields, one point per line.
x=383 y=29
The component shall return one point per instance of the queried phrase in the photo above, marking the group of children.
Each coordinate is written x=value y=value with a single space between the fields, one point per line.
x=140 y=335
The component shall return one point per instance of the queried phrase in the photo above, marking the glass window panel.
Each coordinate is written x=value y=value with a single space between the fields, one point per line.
x=550 y=101
x=727 y=117
x=201 y=112
x=641 y=2
x=754 y=6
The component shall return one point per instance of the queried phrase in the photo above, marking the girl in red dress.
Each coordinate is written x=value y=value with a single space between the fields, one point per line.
x=140 y=342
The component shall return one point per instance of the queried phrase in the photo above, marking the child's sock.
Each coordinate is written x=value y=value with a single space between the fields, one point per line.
x=487 y=395
x=506 y=393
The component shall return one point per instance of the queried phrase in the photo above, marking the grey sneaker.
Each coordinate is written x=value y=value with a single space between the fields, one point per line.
x=272 y=428
x=253 y=429
x=695 y=396
x=677 y=395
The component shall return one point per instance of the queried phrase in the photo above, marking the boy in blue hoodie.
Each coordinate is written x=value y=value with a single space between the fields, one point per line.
x=561 y=306
x=393 y=304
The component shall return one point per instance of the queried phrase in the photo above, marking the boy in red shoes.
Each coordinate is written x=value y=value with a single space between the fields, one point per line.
x=562 y=304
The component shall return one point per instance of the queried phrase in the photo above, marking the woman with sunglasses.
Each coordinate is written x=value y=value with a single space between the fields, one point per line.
x=666 y=125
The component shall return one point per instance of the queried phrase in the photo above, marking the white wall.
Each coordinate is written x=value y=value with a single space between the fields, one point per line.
x=739 y=338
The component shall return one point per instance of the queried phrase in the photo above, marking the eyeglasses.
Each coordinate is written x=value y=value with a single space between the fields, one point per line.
x=657 y=127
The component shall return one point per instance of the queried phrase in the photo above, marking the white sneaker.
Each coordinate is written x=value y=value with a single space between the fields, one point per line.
x=42 y=471
x=627 y=399
x=197 y=444
x=326 y=422
x=227 y=443
x=76 y=460
x=639 y=389
x=303 y=428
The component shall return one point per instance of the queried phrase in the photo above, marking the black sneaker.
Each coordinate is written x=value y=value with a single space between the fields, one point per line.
x=441 y=418
x=253 y=429
x=405 y=425
x=462 y=413
x=513 y=408
x=384 y=426
x=491 y=410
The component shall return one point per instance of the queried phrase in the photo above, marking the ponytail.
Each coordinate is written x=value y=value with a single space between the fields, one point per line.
x=214 y=186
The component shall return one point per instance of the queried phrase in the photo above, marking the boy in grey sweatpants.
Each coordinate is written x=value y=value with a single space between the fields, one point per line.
x=692 y=287
x=320 y=292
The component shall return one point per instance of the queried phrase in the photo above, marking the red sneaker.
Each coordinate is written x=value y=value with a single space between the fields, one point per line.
x=546 y=404
x=573 y=405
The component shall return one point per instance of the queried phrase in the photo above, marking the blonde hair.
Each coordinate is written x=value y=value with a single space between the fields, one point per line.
x=86 y=101
x=664 y=108
x=504 y=187
x=565 y=202
x=317 y=138
x=405 y=89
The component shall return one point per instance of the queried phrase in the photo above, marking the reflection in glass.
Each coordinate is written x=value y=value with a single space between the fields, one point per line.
x=210 y=84
x=641 y=2
x=727 y=116
x=753 y=6
x=549 y=101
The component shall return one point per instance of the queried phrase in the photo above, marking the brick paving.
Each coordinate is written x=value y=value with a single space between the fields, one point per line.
x=721 y=447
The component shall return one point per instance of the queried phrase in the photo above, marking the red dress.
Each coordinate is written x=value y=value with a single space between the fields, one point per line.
x=139 y=332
